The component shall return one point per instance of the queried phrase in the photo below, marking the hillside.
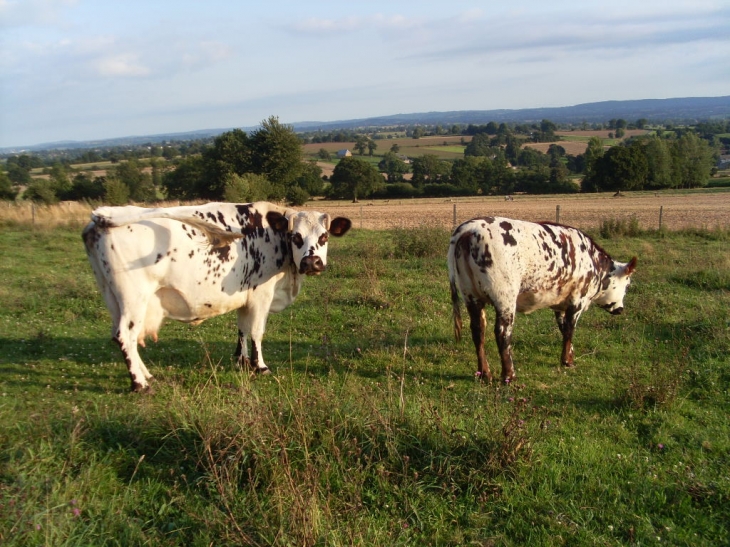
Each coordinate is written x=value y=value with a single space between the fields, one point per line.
x=677 y=110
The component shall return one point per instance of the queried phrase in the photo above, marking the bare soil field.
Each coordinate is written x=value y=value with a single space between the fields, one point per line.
x=691 y=209
x=697 y=209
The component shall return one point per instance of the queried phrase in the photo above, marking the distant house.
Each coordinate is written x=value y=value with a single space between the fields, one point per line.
x=344 y=153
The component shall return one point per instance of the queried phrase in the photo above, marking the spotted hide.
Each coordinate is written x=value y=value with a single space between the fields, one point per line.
x=196 y=262
x=519 y=266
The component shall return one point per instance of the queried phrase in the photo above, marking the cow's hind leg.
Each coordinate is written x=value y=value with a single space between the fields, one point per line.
x=478 y=324
x=126 y=335
x=503 y=326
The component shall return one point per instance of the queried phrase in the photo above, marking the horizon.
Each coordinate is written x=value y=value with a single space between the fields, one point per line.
x=218 y=130
x=77 y=71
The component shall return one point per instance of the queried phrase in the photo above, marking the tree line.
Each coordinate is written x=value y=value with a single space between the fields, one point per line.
x=268 y=164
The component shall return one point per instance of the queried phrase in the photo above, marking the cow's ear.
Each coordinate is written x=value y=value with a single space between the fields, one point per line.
x=630 y=267
x=277 y=221
x=339 y=226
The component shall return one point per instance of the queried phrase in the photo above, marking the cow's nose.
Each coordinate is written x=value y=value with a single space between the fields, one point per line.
x=617 y=311
x=311 y=265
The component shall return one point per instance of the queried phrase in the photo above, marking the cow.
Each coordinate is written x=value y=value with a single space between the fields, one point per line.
x=519 y=266
x=191 y=263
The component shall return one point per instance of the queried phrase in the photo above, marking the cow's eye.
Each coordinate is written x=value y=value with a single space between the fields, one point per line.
x=324 y=238
x=297 y=240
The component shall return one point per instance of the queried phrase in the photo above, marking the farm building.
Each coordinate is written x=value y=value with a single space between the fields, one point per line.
x=343 y=153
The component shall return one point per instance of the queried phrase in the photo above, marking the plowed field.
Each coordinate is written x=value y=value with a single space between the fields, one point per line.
x=701 y=209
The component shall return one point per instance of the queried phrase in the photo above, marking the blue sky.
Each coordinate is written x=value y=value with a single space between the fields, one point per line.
x=94 y=69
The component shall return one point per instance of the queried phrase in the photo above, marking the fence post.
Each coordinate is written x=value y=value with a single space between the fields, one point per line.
x=661 y=214
x=454 y=223
x=361 y=217
x=557 y=214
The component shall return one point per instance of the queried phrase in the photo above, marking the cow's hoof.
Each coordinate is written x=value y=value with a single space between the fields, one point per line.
x=263 y=371
x=139 y=388
x=568 y=365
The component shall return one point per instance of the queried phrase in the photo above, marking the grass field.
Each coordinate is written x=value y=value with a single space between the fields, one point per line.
x=372 y=429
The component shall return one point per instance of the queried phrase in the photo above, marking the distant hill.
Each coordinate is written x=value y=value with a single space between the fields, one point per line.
x=679 y=110
x=691 y=109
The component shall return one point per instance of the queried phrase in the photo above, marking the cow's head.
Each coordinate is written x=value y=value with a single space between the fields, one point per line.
x=611 y=296
x=309 y=233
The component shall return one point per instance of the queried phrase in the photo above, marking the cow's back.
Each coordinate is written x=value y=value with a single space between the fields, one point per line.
x=192 y=279
x=534 y=265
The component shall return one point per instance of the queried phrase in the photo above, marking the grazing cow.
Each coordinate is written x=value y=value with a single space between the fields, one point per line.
x=197 y=262
x=519 y=266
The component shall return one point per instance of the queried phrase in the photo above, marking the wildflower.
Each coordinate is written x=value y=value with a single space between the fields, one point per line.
x=77 y=512
x=660 y=446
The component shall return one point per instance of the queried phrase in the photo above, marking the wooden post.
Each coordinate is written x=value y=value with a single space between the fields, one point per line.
x=661 y=213
x=557 y=214
x=454 y=223
x=361 y=217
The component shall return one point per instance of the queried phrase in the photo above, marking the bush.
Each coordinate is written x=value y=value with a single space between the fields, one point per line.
x=611 y=228
x=421 y=242
x=297 y=196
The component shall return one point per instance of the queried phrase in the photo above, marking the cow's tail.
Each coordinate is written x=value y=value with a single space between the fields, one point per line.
x=455 y=300
x=107 y=217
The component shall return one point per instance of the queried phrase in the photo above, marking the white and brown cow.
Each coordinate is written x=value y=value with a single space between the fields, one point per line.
x=192 y=263
x=519 y=266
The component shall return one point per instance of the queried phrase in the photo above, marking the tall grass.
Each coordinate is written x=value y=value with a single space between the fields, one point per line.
x=372 y=429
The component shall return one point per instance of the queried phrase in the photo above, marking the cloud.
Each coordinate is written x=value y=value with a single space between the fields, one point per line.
x=27 y=13
x=121 y=65
x=525 y=34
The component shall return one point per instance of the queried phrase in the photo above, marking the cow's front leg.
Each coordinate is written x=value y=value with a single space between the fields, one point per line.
x=241 y=355
x=478 y=324
x=566 y=323
x=252 y=321
x=503 y=334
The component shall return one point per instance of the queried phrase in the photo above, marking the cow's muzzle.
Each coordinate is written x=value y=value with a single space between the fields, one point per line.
x=311 y=265
x=617 y=311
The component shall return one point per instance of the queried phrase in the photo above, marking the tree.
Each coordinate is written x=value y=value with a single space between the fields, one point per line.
x=465 y=173
x=621 y=168
x=246 y=188
x=659 y=162
x=361 y=143
x=353 y=178
x=41 y=191
x=83 y=187
x=693 y=159
x=276 y=152
x=429 y=169
x=139 y=183
x=115 y=191
x=393 y=167
x=372 y=146
x=480 y=145
x=186 y=181
x=6 y=187
x=594 y=152
x=310 y=179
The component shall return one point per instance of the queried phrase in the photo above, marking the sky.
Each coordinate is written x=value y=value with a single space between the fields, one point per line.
x=96 y=69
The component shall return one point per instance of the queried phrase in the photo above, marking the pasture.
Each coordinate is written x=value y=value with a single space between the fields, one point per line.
x=372 y=429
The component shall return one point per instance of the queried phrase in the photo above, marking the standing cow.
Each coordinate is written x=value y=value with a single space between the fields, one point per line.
x=196 y=262
x=519 y=266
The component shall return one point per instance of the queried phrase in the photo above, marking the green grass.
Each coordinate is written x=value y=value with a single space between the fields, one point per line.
x=372 y=429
